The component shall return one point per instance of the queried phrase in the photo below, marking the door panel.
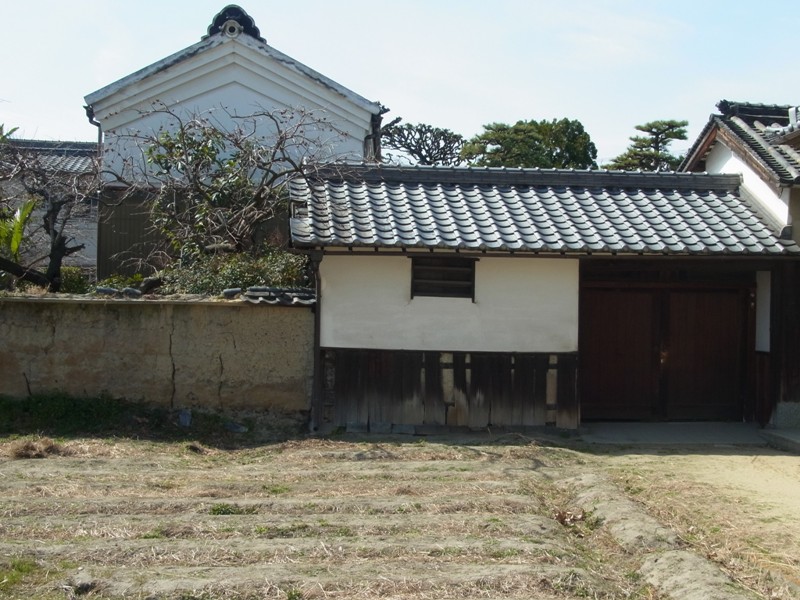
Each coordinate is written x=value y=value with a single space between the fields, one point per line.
x=618 y=374
x=703 y=371
x=662 y=354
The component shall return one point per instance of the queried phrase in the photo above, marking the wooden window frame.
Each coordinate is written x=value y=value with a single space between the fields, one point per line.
x=443 y=277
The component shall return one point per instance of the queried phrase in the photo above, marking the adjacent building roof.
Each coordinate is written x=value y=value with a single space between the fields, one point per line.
x=766 y=136
x=529 y=211
x=280 y=296
x=66 y=157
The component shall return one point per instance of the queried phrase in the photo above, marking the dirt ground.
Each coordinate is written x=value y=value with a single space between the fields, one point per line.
x=479 y=517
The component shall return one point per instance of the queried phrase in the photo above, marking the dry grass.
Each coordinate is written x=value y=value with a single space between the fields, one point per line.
x=325 y=518
x=41 y=447
x=316 y=518
x=721 y=529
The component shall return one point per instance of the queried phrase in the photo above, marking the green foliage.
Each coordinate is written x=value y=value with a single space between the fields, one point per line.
x=60 y=414
x=424 y=144
x=6 y=135
x=119 y=282
x=212 y=274
x=556 y=144
x=12 y=229
x=224 y=508
x=73 y=281
x=16 y=569
x=651 y=151
x=55 y=192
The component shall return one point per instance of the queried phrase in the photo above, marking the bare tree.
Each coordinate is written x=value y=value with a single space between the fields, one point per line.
x=213 y=181
x=51 y=186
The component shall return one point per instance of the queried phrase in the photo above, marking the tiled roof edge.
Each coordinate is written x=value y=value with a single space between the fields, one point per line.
x=56 y=147
x=692 y=156
x=774 y=162
x=754 y=110
x=524 y=176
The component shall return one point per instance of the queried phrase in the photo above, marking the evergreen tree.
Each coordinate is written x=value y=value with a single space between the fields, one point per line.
x=556 y=144
x=650 y=152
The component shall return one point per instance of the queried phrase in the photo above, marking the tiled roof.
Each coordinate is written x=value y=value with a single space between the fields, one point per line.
x=67 y=157
x=280 y=296
x=529 y=210
x=765 y=132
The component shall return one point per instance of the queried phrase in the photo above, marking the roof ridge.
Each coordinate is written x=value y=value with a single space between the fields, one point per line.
x=62 y=145
x=731 y=108
x=528 y=176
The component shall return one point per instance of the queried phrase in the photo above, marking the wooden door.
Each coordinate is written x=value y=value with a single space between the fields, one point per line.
x=663 y=354
x=618 y=376
x=703 y=364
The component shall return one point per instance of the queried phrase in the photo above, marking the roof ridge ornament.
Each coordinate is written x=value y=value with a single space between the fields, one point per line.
x=232 y=21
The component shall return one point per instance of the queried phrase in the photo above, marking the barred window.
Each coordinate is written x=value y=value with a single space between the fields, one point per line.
x=452 y=277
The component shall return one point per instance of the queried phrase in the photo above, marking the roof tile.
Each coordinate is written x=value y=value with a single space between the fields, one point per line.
x=531 y=210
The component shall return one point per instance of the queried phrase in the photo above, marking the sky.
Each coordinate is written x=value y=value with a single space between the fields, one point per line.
x=456 y=64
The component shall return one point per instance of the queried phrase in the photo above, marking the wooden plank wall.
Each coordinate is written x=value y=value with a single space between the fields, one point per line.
x=378 y=390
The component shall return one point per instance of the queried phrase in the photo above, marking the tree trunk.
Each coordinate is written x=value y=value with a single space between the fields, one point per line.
x=32 y=275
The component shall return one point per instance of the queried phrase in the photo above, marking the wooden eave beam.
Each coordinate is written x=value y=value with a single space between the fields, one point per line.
x=763 y=171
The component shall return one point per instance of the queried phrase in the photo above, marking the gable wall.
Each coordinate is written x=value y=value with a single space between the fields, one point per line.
x=234 y=77
x=722 y=160
x=521 y=305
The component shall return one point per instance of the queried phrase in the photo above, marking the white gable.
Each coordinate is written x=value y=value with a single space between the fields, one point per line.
x=722 y=159
x=237 y=75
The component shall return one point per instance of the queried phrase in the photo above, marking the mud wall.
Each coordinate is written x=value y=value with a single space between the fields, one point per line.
x=221 y=355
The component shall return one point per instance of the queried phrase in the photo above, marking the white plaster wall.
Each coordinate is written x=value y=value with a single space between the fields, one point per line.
x=521 y=305
x=722 y=160
x=237 y=76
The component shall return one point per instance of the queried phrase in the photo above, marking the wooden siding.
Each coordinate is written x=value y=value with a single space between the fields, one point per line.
x=383 y=391
x=125 y=234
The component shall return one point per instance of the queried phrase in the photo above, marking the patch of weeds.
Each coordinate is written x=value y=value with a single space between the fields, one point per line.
x=447 y=551
x=276 y=489
x=342 y=531
x=497 y=520
x=40 y=447
x=294 y=594
x=167 y=484
x=60 y=414
x=195 y=596
x=223 y=508
x=632 y=488
x=634 y=576
x=501 y=553
x=573 y=583
x=408 y=508
x=287 y=531
x=592 y=520
x=15 y=571
x=165 y=531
